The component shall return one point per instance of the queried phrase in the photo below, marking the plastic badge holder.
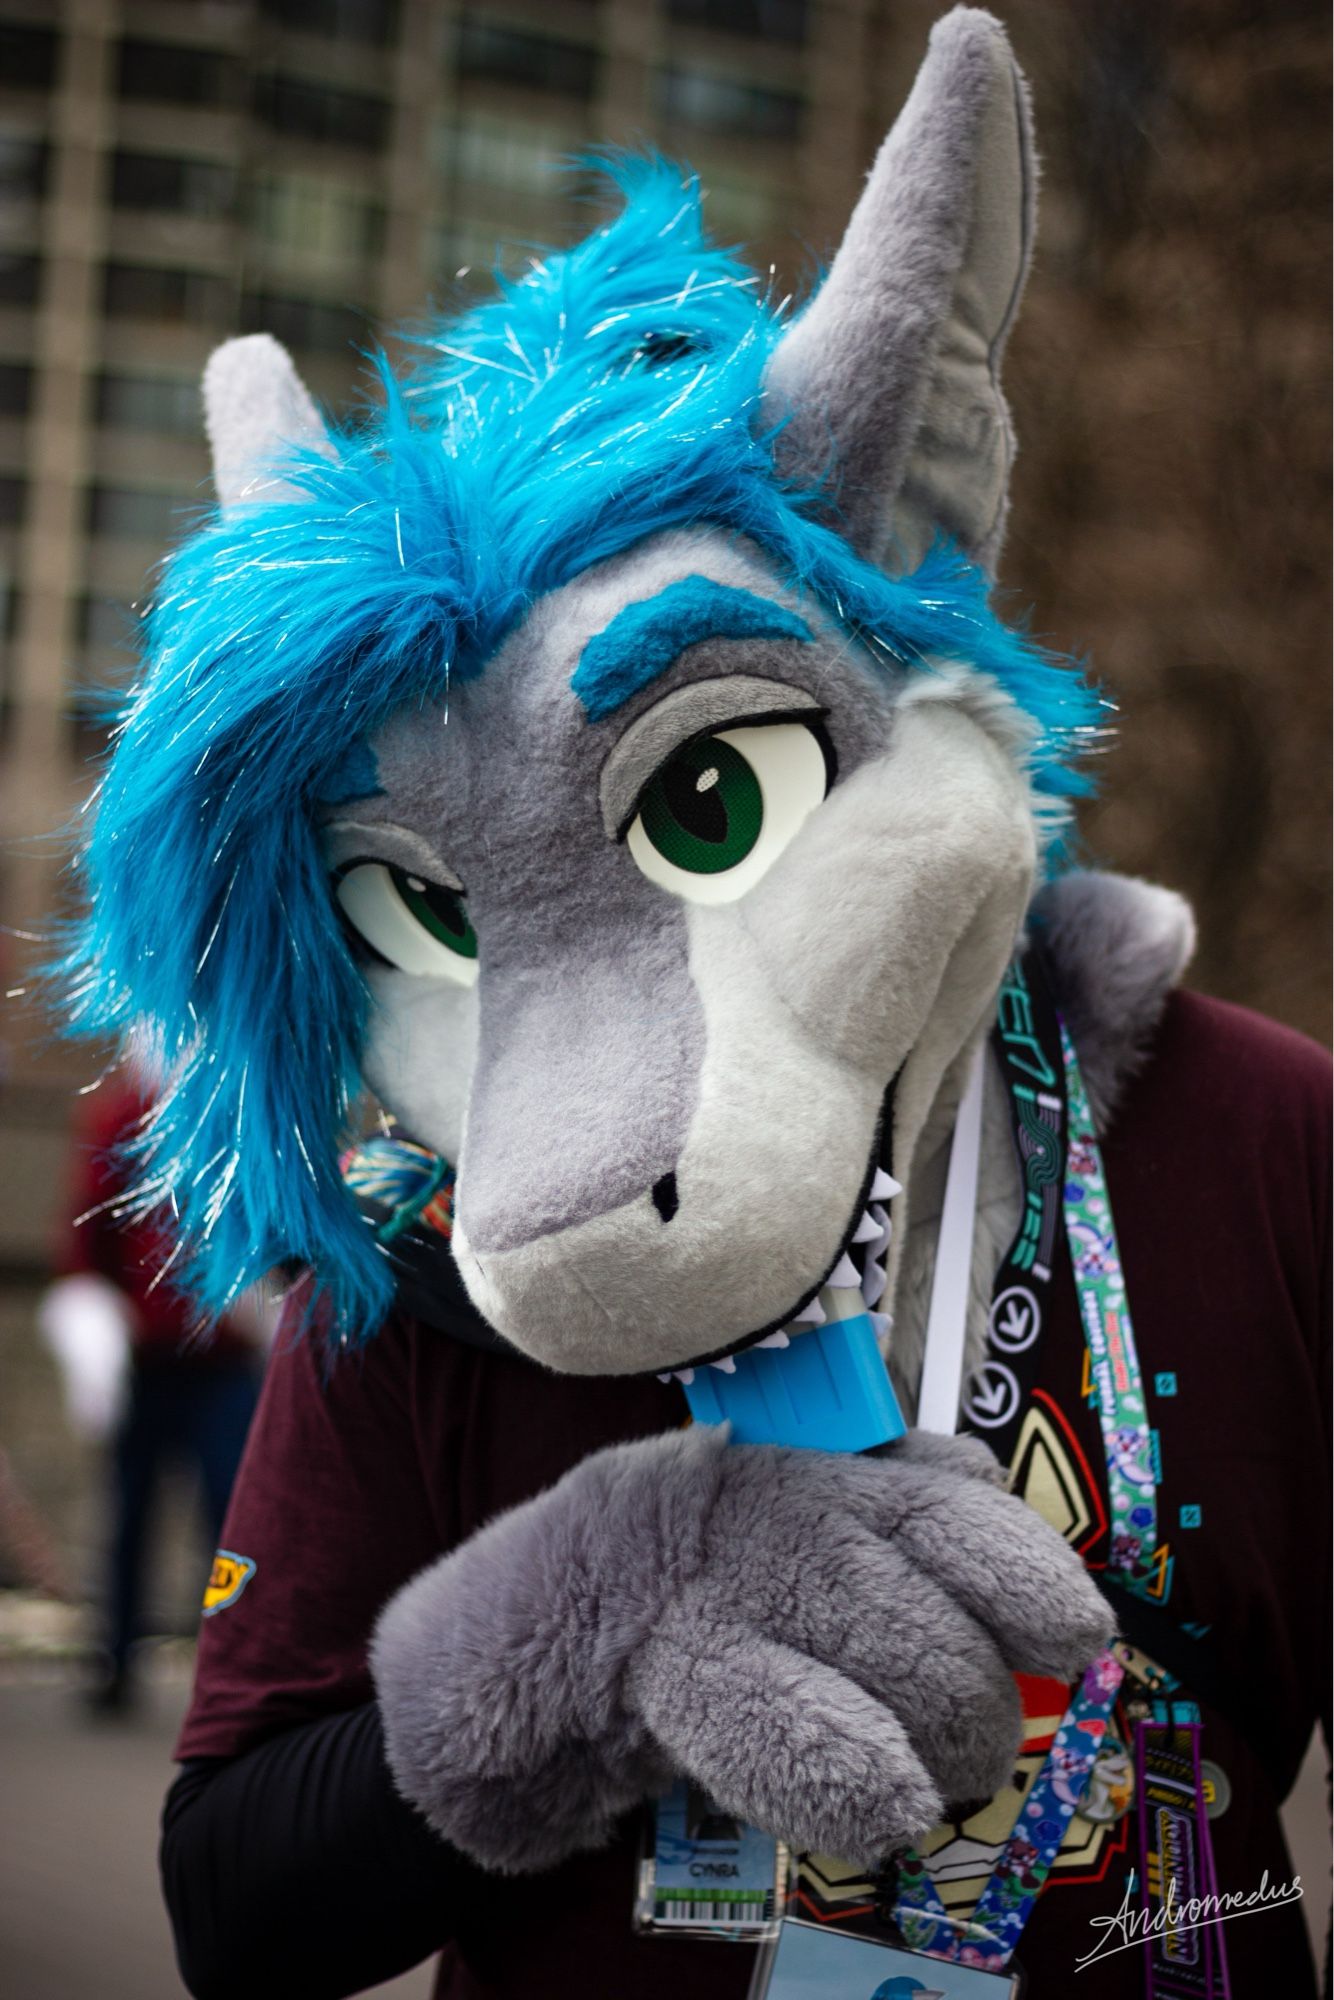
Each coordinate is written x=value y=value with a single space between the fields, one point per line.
x=704 y=1873
x=854 y=1952
x=829 y=1389
x=803 y=1961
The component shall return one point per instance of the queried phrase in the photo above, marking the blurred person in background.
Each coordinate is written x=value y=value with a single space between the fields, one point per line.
x=135 y=1372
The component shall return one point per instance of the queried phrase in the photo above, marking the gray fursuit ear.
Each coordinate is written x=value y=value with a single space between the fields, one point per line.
x=1115 y=947
x=895 y=367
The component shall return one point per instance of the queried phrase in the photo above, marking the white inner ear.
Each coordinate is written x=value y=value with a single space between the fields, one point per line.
x=256 y=407
x=789 y=764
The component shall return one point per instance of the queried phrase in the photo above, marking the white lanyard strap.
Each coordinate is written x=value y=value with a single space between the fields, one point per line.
x=947 y=1318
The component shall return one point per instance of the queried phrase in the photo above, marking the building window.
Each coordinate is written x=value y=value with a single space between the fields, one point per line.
x=27 y=56
x=724 y=105
x=315 y=216
x=536 y=62
x=8 y=623
x=326 y=329
x=745 y=210
x=13 y=499
x=15 y=388
x=134 y=513
x=9 y=619
x=300 y=109
x=761 y=20
x=460 y=251
x=23 y=161
x=156 y=291
x=510 y=153
x=165 y=403
x=369 y=21
x=169 y=73
x=171 y=185
x=20 y=278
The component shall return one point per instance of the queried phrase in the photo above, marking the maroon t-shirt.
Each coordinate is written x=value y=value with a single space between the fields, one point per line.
x=1218 y=1167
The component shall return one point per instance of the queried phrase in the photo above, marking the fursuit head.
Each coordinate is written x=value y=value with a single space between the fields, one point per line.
x=606 y=751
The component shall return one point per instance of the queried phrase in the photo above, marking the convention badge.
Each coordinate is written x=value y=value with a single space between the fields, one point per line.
x=806 y=1959
x=705 y=1873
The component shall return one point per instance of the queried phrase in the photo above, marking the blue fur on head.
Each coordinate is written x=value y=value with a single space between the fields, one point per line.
x=609 y=394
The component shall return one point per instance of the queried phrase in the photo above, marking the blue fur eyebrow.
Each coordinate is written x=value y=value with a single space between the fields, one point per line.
x=642 y=640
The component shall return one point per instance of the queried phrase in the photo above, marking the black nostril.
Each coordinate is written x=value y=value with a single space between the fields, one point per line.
x=665 y=1197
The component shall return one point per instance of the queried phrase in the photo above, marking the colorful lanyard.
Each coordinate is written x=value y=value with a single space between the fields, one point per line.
x=1078 y=1183
x=989 y=1938
x=1027 y=1046
x=1114 y=1363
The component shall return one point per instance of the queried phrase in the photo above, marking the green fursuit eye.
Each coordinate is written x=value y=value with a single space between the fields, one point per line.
x=438 y=910
x=704 y=809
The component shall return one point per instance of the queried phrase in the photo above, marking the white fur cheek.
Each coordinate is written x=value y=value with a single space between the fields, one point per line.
x=858 y=919
x=421 y=1046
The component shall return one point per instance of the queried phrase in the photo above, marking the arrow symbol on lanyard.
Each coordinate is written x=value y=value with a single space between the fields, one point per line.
x=992 y=1395
x=1015 y=1320
x=1014 y=1326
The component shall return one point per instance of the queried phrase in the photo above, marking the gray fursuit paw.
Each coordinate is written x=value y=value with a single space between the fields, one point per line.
x=826 y=1644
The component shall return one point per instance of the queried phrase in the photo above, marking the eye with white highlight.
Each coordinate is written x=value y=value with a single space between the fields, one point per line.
x=421 y=927
x=718 y=812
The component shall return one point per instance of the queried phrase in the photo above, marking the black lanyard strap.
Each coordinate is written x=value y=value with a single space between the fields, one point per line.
x=1027 y=1043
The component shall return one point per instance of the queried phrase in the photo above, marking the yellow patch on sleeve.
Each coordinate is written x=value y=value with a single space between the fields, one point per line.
x=227 y=1579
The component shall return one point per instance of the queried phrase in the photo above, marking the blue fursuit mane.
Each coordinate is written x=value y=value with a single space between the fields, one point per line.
x=608 y=394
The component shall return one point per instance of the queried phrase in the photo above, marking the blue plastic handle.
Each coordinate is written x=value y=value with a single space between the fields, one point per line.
x=829 y=1389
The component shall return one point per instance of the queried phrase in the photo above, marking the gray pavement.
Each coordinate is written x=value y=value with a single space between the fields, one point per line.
x=80 y=1914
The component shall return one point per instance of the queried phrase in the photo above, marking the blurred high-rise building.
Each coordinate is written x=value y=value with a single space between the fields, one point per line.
x=174 y=171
